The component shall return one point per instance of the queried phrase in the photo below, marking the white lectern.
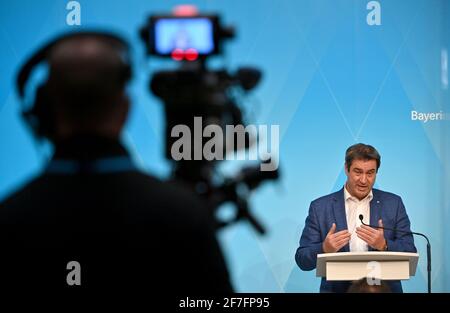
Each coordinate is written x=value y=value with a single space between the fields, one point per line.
x=384 y=265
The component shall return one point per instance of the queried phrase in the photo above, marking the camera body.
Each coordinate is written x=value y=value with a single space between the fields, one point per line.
x=192 y=91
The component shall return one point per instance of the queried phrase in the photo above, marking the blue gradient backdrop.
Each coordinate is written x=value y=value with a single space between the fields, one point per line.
x=330 y=80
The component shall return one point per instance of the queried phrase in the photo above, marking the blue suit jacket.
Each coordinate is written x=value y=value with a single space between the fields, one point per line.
x=325 y=211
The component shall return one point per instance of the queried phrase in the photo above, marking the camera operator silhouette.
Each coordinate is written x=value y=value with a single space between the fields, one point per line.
x=126 y=229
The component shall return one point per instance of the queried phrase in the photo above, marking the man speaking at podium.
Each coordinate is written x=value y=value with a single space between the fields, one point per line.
x=333 y=223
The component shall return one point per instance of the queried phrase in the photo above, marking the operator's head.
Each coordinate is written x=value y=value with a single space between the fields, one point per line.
x=87 y=88
x=361 y=167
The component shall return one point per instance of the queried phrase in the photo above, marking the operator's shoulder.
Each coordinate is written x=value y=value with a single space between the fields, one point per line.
x=22 y=193
x=168 y=195
x=150 y=183
x=168 y=200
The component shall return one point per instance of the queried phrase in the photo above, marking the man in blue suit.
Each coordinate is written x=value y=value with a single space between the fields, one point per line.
x=333 y=223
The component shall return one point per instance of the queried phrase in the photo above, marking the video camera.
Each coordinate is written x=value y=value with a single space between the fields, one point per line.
x=193 y=90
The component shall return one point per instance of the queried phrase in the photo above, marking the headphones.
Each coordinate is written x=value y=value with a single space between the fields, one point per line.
x=39 y=116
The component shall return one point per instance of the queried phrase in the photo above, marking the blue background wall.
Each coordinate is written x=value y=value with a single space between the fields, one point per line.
x=330 y=80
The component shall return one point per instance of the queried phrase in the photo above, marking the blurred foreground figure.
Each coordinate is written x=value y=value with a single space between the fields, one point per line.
x=126 y=230
x=362 y=286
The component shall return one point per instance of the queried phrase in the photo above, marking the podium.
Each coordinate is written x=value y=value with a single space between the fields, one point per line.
x=384 y=265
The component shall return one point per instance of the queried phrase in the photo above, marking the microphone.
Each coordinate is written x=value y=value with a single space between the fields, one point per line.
x=361 y=217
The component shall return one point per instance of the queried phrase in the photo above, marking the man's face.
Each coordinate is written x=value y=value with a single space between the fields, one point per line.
x=361 y=177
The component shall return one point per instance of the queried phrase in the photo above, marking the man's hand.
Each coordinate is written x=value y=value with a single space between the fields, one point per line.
x=373 y=237
x=335 y=241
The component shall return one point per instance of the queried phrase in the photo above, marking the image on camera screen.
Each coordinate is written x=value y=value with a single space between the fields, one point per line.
x=184 y=33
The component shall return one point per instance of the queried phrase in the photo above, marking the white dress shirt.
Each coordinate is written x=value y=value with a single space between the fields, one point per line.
x=353 y=208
